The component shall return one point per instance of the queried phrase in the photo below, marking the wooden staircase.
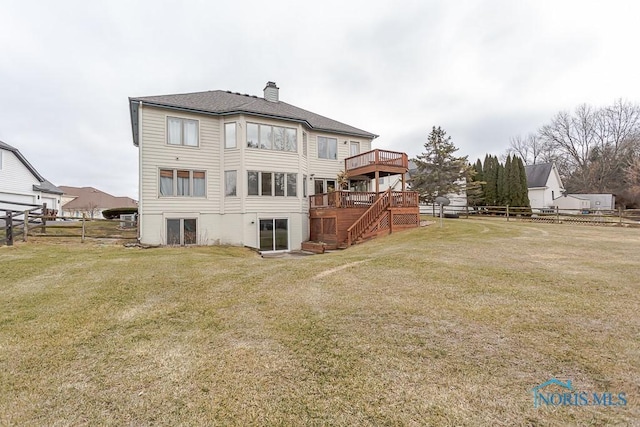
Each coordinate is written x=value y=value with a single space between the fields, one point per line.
x=368 y=224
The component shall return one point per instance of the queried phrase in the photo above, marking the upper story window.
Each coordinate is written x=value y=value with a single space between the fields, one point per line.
x=182 y=183
x=354 y=148
x=327 y=148
x=272 y=137
x=229 y=135
x=182 y=131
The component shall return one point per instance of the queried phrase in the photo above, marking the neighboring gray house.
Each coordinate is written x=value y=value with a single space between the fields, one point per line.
x=544 y=185
x=599 y=202
x=220 y=167
x=571 y=203
x=20 y=182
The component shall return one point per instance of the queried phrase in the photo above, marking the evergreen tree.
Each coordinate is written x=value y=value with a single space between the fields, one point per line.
x=524 y=189
x=490 y=177
x=439 y=171
x=475 y=186
x=507 y=183
x=479 y=174
x=500 y=184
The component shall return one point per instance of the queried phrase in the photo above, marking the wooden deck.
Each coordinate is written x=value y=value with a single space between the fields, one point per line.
x=342 y=218
x=377 y=163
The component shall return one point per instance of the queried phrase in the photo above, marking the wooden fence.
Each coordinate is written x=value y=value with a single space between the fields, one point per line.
x=620 y=217
x=39 y=221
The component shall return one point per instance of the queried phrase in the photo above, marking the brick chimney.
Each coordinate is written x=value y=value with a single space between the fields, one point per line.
x=271 y=92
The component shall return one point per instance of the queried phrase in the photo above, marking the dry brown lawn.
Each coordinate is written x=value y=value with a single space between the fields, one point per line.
x=432 y=326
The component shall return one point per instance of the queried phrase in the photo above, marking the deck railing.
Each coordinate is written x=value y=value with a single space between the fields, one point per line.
x=377 y=157
x=359 y=199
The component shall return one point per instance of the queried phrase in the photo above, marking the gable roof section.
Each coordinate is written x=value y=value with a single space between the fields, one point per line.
x=223 y=103
x=538 y=175
x=92 y=197
x=44 y=186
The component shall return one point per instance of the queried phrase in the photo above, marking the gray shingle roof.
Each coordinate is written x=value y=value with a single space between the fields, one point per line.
x=219 y=102
x=44 y=186
x=89 y=196
x=47 y=187
x=537 y=175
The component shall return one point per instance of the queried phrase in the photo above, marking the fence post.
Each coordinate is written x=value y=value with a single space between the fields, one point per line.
x=82 y=238
x=620 y=215
x=507 y=213
x=25 y=226
x=557 y=214
x=44 y=218
x=9 y=227
x=466 y=211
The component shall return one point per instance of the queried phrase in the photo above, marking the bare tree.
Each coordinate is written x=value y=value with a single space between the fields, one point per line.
x=529 y=148
x=591 y=146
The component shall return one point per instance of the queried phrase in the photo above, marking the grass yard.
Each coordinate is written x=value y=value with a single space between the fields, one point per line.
x=433 y=326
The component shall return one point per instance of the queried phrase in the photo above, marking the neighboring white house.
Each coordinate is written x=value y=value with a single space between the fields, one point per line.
x=21 y=183
x=219 y=167
x=544 y=185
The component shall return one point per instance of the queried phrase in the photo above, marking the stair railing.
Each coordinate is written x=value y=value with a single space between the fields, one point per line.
x=358 y=228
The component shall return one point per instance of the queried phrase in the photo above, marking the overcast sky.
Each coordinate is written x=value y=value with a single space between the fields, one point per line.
x=482 y=70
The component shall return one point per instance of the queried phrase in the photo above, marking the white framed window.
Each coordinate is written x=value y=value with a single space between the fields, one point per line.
x=182 y=231
x=327 y=148
x=182 y=132
x=182 y=183
x=268 y=137
x=354 y=148
x=278 y=184
x=230 y=135
x=292 y=185
x=230 y=183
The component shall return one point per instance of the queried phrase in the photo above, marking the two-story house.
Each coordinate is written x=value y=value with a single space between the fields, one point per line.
x=220 y=167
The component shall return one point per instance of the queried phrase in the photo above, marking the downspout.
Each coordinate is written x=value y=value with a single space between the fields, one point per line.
x=140 y=198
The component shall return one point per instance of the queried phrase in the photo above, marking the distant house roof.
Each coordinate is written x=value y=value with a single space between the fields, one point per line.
x=222 y=103
x=89 y=197
x=538 y=175
x=44 y=186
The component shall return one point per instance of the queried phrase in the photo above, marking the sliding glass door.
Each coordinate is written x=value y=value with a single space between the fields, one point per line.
x=274 y=234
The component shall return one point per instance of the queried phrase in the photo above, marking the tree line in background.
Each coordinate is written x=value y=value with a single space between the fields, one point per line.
x=596 y=150
x=493 y=183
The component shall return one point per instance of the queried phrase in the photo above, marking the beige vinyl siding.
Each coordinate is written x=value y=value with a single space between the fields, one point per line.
x=327 y=168
x=157 y=154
